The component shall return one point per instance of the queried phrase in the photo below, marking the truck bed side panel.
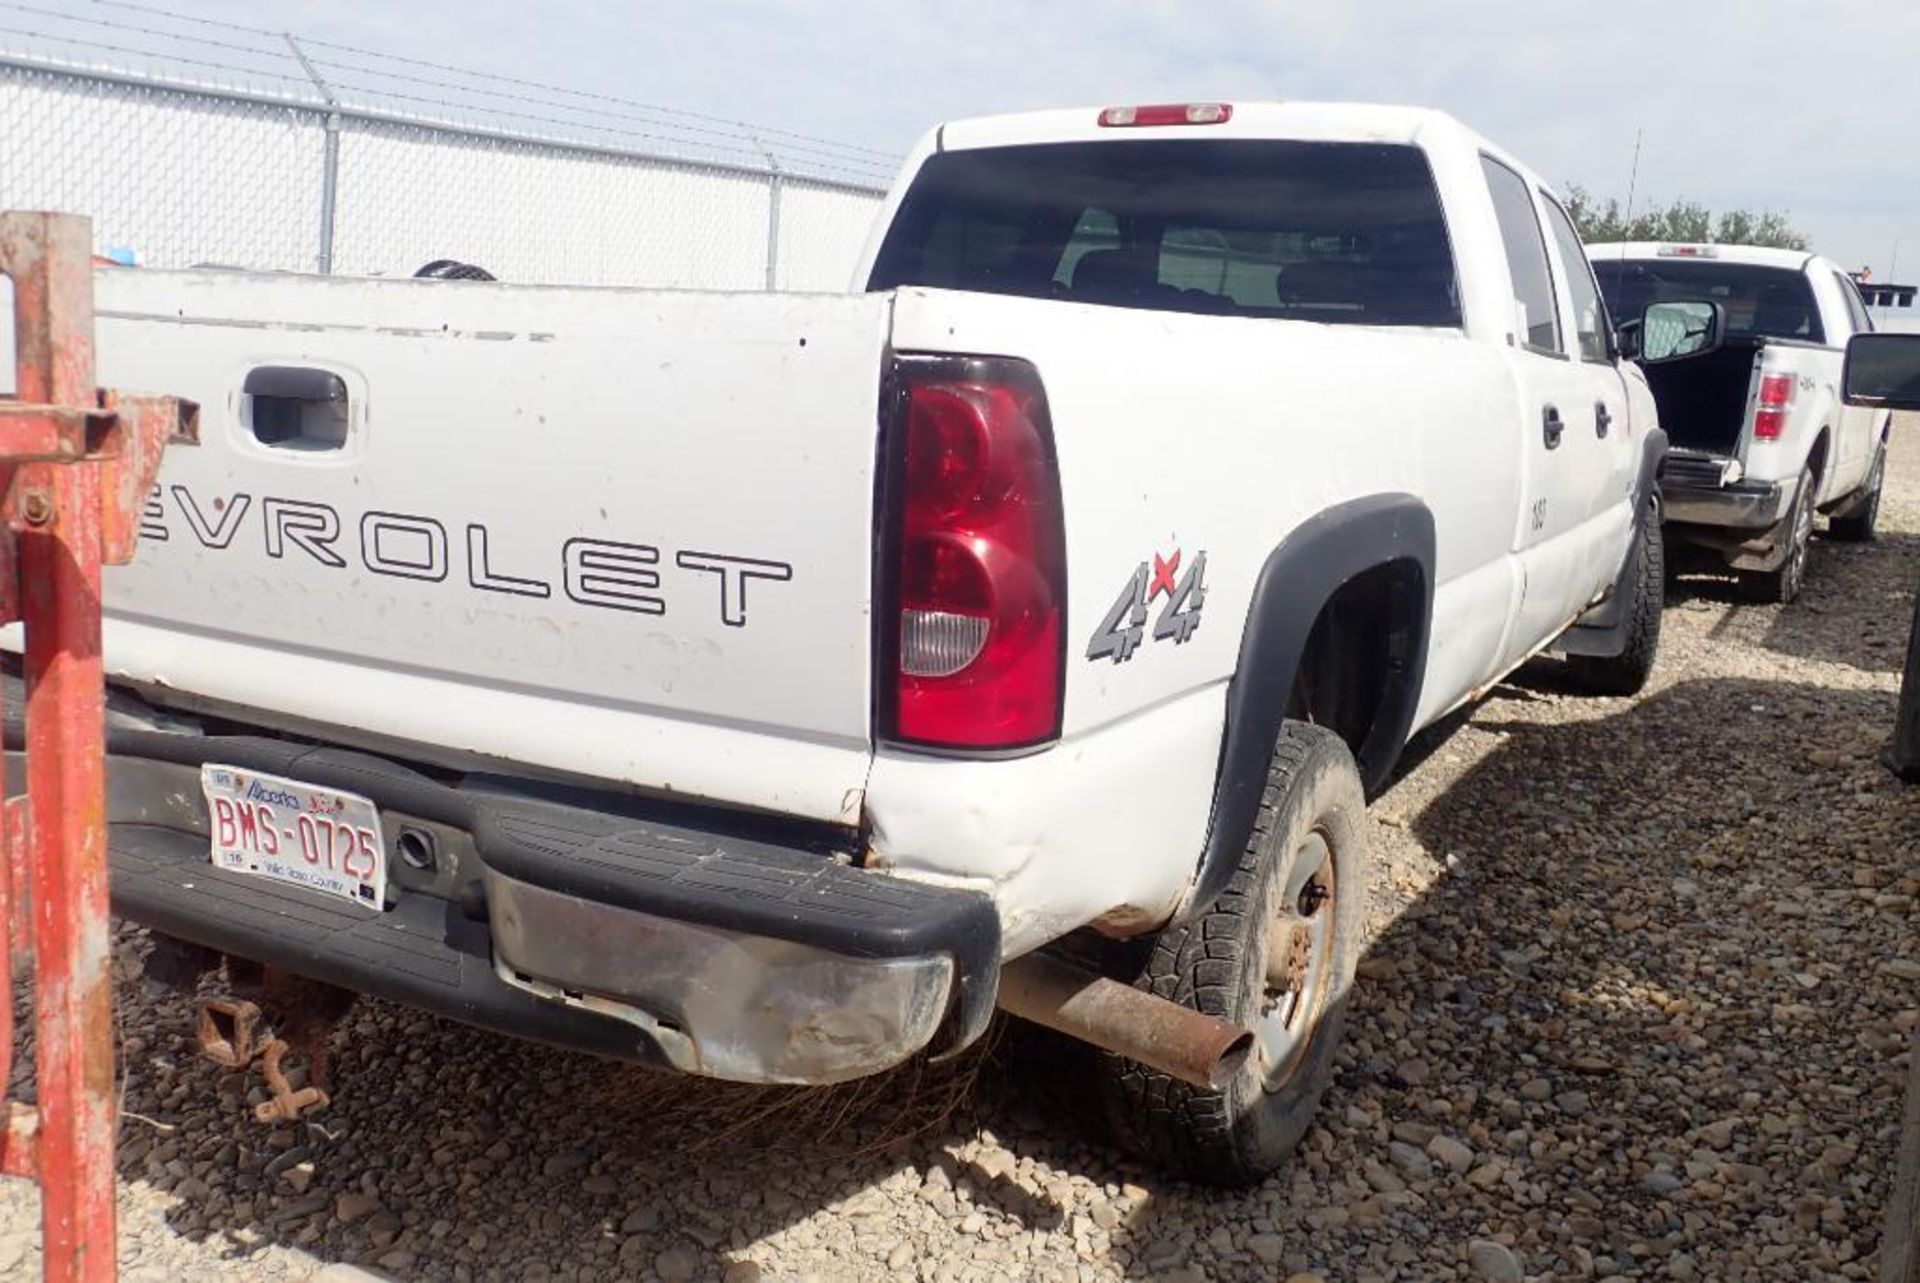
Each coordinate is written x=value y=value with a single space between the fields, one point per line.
x=1231 y=433
x=1181 y=437
x=1815 y=372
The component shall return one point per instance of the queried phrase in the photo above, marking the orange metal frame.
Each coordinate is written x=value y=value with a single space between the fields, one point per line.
x=75 y=468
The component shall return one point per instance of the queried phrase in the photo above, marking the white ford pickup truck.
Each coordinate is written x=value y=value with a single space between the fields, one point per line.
x=1744 y=351
x=770 y=686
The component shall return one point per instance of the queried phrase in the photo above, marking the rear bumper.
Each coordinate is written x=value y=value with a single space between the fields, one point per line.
x=1744 y=505
x=594 y=924
x=1693 y=491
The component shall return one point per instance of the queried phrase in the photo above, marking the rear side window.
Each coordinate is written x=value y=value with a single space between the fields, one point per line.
x=1345 y=233
x=1758 y=302
x=1590 y=323
x=1856 y=309
x=1537 y=318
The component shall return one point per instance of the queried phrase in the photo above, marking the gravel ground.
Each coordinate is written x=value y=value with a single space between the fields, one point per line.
x=1642 y=977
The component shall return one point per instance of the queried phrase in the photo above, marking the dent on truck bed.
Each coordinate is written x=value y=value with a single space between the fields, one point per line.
x=1102 y=825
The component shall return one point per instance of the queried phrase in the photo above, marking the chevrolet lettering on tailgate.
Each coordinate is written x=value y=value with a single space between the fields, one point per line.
x=605 y=573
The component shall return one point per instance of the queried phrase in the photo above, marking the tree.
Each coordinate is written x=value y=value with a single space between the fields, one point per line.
x=1599 y=221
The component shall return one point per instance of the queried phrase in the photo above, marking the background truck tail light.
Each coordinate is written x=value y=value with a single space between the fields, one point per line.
x=1772 y=406
x=972 y=565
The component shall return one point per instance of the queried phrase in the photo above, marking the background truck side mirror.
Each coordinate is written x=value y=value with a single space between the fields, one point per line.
x=1681 y=328
x=1626 y=339
x=1882 y=370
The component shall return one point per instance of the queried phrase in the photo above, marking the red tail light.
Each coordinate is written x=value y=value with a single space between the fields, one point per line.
x=1774 y=403
x=1167 y=113
x=974 y=566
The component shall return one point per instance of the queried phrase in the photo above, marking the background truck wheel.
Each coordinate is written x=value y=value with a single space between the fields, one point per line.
x=1627 y=672
x=1858 y=526
x=1276 y=952
x=1782 y=584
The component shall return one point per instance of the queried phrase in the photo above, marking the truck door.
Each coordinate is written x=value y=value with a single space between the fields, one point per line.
x=1858 y=431
x=1602 y=417
x=1556 y=404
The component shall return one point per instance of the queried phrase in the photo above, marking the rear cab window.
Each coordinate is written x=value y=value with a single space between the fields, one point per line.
x=1591 y=325
x=1342 y=233
x=1759 y=302
x=1857 y=313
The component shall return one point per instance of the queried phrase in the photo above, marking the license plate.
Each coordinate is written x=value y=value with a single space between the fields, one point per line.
x=298 y=833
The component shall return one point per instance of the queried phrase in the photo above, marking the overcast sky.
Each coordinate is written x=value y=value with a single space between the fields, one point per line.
x=1765 y=103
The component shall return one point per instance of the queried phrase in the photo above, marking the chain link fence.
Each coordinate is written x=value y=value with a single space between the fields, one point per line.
x=194 y=142
x=183 y=177
x=530 y=212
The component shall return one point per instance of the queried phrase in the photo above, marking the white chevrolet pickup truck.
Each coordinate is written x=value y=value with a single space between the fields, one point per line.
x=769 y=686
x=1744 y=350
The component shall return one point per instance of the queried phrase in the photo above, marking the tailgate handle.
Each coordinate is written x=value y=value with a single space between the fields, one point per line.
x=295 y=383
x=296 y=407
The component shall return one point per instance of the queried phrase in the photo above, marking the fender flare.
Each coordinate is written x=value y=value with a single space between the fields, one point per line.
x=1653 y=454
x=1300 y=576
x=1822 y=445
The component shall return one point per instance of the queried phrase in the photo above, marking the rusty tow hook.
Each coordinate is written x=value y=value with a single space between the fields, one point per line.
x=233 y=1033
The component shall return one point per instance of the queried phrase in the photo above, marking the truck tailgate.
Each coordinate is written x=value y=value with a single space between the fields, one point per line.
x=618 y=534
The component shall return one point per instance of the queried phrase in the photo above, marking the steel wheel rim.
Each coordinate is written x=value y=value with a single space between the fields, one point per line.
x=1298 y=961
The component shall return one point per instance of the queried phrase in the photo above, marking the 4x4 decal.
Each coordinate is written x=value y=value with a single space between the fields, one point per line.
x=1125 y=626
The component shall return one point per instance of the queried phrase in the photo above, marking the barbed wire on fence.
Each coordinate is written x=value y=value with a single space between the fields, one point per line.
x=180 y=50
x=240 y=146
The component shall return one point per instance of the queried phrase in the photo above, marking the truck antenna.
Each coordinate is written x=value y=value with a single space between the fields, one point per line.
x=1633 y=175
x=1633 y=181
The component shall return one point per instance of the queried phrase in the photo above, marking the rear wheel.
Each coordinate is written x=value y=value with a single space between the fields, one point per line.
x=1782 y=584
x=1274 y=953
x=1858 y=526
x=1627 y=672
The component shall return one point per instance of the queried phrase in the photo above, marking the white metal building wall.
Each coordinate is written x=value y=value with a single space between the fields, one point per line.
x=525 y=212
x=818 y=226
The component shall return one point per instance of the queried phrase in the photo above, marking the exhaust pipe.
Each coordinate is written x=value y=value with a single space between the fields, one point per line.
x=1190 y=1045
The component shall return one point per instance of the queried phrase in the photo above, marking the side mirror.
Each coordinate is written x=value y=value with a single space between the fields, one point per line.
x=1682 y=328
x=1882 y=370
x=1626 y=339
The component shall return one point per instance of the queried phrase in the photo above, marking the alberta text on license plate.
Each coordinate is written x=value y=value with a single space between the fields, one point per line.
x=299 y=833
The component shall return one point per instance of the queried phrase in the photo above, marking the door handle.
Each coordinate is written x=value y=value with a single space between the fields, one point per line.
x=1602 y=419
x=1552 y=426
